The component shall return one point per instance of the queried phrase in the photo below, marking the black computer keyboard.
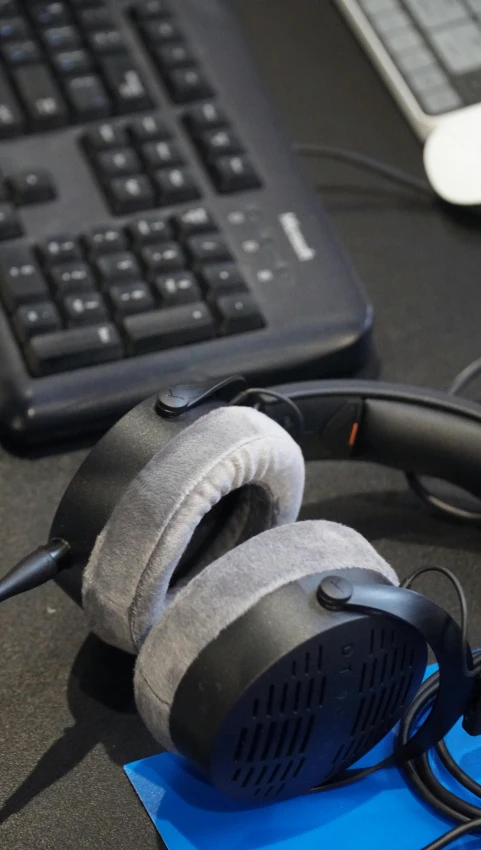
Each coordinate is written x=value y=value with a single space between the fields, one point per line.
x=154 y=226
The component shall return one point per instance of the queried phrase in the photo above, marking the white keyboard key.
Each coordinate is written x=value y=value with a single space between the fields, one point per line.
x=431 y=14
x=459 y=48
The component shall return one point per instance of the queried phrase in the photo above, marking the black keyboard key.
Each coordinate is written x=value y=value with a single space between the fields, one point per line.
x=129 y=298
x=194 y=221
x=61 y=248
x=168 y=328
x=149 y=229
x=112 y=268
x=234 y=174
x=84 y=309
x=12 y=119
x=174 y=55
x=166 y=257
x=187 y=84
x=21 y=280
x=95 y=19
x=146 y=9
x=125 y=83
x=41 y=97
x=175 y=185
x=222 y=279
x=73 y=349
x=87 y=97
x=21 y=52
x=161 y=154
x=32 y=187
x=211 y=248
x=206 y=116
x=150 y=128
x=221 y=142
x=34 y=319
x=117 y=163
x=70 y=62
x=70 y=278
x=61 y=38
x=160 y=31
x=49 y=14
x=106 y=136
x=13 y=29
x=130 y=194
x=107 y=41
x=177 y=288
x=105 y=239
x=238 y=314
x=10 y=225
x=8 y=8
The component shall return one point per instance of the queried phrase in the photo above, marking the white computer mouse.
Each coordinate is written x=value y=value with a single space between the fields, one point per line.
x=452 y=157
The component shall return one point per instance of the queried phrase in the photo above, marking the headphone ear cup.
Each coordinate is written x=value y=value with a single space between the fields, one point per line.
x=225 y=591
x=127 y=582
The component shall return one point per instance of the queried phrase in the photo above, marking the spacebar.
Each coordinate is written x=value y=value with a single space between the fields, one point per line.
x=60 y=352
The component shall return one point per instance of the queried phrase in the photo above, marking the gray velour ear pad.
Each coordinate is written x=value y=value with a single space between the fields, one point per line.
x=225 y=591
x=126 y=584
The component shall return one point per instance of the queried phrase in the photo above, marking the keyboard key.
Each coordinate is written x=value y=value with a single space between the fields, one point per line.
x=222 y=278
x=174 y=55
x=40 y=94
x=166 y=257
x=84 y=309
x=87 y=97
x=160 y=31
x=430 y=14
x=167 y=328
x=59 y=249
x=206 y=116
x=442 y=100
x=117 y=162
x=34 y=319
x=61 y=38
x=239 y=313
x=73 y=349
x=49 y=14
x=70 y=62
x=193 y=221
x=130 y=298
x=125 y=83
x=32 y=187
x=161 y=154
x=178 y=288
x=107 y=41
x=175 y=185
x=8 y=8
x=106 y=136
x=10 y=225
x=12 y=119
x=459 y=47
x=234 y=174
x=149 y=129
x=208 y=249
x=13 y=29
x=149 y=9
x=221 y=142
x=129 y=194
x=112 y=268
x=187 y=84
x=104 y=240
x=21 y=280
x=20 y=52
x=149 y=229
x=95 y=19
x=468 y=86
x=72 y=277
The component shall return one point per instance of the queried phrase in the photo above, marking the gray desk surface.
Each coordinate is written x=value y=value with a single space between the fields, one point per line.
x=67 y=721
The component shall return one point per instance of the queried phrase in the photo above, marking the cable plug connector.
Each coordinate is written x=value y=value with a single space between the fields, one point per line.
x=36 y=569
x=472 y=717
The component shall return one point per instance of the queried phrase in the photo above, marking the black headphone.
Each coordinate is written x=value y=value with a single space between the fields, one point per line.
x=272 y=654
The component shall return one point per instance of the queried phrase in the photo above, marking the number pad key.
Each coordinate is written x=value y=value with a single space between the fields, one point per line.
x=207 y=116
x=150 y=128
x=160 y=32
x=71 y=277
x=176 y=185
x=59 y=249
x=150 y=229
x=36 y=319
x=104 y=240
x=84 y=309
x=73 y=349
x=162 y=329
x=161 y=154
x=194 y=221
x=210 y=248
x=178 y=288
x=174 y=55
x=238 y=314
x=216 y=143
x=187 y=84
x=222 y=278
x=130 y=298
x=117 y=267
x=164 y=257
x=21 y=280
x=10 y=225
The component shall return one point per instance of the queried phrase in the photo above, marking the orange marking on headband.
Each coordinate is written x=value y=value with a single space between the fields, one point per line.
x=354 y=432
